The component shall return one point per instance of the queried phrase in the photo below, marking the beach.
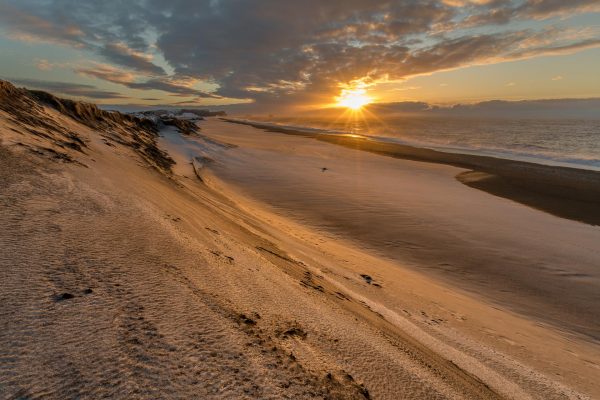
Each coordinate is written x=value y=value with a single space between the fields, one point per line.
x=304 y=200
x=564 y=191
x=497 y=249
x=505 y=254
x=237 y=263
x=424 y=216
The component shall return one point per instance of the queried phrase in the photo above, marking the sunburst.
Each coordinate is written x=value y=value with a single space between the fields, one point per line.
x=354 y=99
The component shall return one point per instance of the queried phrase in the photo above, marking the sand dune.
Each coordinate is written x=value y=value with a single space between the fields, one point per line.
x=123 y=276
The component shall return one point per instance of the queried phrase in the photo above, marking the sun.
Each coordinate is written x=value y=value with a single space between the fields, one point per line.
x=353 y=98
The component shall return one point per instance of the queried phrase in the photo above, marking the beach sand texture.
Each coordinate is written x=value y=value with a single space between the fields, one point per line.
x=121 y=279
x=419 y=214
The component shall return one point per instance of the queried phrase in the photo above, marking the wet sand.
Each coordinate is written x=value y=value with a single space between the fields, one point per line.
x=532 y=262
x=565 y=192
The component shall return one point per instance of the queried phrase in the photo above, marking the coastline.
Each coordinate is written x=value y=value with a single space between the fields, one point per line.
x=515 y=256
x=300 y=200
x=272 y=176
x=561 y=191
x=161 y=279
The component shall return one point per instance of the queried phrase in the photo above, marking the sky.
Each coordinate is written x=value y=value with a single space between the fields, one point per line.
x=272 y=54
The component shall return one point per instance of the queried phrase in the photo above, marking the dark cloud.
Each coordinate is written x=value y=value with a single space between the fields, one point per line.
x=115 y=75
x=556 y=48
x=275 y=46
x=70 y=89
x=539 y=9
x=546 y=108
x=401 y=107
x=275 y=51
x=126 y=56
x=107 y=73
x=505 y=11
x=170 y=87
x=25 y=25
x=111 y=29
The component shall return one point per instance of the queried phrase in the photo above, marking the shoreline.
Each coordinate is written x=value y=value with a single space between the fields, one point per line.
x=561 y=191
x=270 y=177
x=426 y=218
x=150 y=282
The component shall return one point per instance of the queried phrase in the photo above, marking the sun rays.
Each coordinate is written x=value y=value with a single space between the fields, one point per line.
x=354 y=99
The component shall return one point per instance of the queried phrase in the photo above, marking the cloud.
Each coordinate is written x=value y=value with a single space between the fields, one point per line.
x=540 y=9
x=545 y=108
x=82 y=25
x=180 y=87
x=123 y=55
x=400 y=107
x=505 y=11
x=557 y=78
x=70 y=89
x=278 y=52
x=403 y=89
x=27 y=26
x=555 y=49
x=106 y=72
x=173 y=87
x=44 y=65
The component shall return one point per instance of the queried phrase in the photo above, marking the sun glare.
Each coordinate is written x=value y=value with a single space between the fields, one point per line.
x=353 y=98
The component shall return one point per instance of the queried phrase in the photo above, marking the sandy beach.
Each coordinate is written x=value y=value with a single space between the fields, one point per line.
x=282 y=199
x=434 y=226
x=425 y=217
x=562 y=191
x=230 y=264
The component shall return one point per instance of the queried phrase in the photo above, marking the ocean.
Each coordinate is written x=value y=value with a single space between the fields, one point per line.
x=417 y=214
x=565 y=142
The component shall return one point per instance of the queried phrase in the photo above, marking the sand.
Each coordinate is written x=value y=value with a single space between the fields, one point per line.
x=496 y=251
x=562 y=191
x=417 y=213
x=120 y=279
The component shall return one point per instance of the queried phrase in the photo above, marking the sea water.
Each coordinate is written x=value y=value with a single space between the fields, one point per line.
x=568 y=142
